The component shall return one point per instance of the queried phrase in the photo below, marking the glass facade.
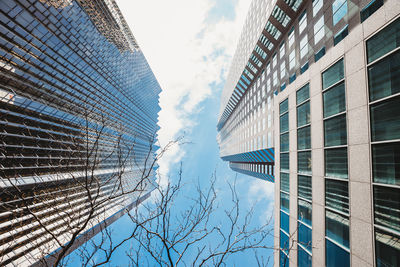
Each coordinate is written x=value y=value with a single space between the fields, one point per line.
x=336 y=166
x=383 y=80
x=72 y=78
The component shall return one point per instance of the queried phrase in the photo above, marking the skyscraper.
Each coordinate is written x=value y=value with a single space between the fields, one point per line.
x=334 y=69
x=78 y=124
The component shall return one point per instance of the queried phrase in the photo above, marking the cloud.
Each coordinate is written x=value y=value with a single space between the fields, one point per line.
x=187 y=52
x=260 y=191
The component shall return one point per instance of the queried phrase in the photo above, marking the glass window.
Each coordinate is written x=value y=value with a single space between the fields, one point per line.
x=336 y=256
x=304 y=46
x=291 y=37
x=304 y=185
x=284 y=241
x=387 y=207
x=303 y=94
x=274 y=58
x=319 y=54
x=282 y=50
x=384 y=41
x=384 y=77
x=333 y=74
x=285 y=142
x=334 y=100
x=284 y=222
x=387 y=249
x=337 y=195
x=336 y=162
x=304 y=259
x=339 y=10
x=303 y=114
x=302 y=22
x=304 y=211
x=317 y=5
x=284 y=260
x=385 y=120
x=319 y=30
x=283 y=69
x=304 y=138
x=304 y=68
x=370 y=9
x=284 y=161
x=337 y=228
x=292 y=59
x=285 y=181
x=305 y=236
x=275 y=78
x=284 y=122
x=304 y=162
x=386 y=163
x=335 y=131
x=341 y=35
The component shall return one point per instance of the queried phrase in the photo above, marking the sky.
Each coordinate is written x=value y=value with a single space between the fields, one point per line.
x=189 y=45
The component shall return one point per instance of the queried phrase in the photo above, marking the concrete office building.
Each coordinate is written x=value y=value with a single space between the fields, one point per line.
x=336 y=120
x=77 y=96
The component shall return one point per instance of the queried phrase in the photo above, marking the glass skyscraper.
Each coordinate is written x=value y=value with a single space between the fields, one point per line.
x=333 y=71
x=78 y=102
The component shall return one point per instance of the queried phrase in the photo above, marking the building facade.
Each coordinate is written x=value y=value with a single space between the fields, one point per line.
x=336 y=120
x=78 y=124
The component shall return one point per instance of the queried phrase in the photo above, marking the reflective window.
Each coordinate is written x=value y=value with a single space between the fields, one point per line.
x=339 y=10
x=283 y=69
x=303 y=94
x=337 y=195
x=304 y=138
x=336 y=256
x=304 y=46
x=334 y=100
x=335 y=131
x=337 y=228
x=292 y=59
x=386 y=163
x=387 y=248
x=336 y=163
x=304 y=259
x=303 y=114
x=304 y=185
x=341 y=35
x=317 y=5
x=333 y=74
x=284 y=222
x=319 y=30
x=284 y=181
x=304 y=162
x=387 y=207
x=284 y=241
x=291 y=38
x=302 y=22
x=305 y=236
x=285 y=202
x=284 y=123
x=384 y=41
x=304 y=211
x=282 y=50
x=284 y=260
x=385 y=120
x=284 y=161
x=285 y=142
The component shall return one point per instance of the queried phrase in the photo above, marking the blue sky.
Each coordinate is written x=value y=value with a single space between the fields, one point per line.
x=189 y=45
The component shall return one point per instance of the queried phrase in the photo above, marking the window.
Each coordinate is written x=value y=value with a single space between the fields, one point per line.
x=285 y=142
x=337 y=228
x=386 y=163
x=336 y=163
x=317 y=5
x=335 y=131
x=333 y=74
x=334 y=100
x=284 y=181
x=319 y=54
x=302 y=22
x=383 y=42
x=370 y=9
x=319 y=30
x=303 y=114
x=282 y=50
x=284 y=123
x=283 y=70
x=275 y=78
x=336 y=256
x=284 y=202
x=337 y=195
x=291 y=38
x=304 y=259
x=304 y=212
x=339 y=10
x=274 y=59
x=304 y=138
x=284 y=222
x=387 y=250
x=292 y=59
x=304 y=46
x=284 y=161
x=304 y=184
x=387 y=207
x=304 y=162
x=305 y=236
x=341 y=35
x=304 y=68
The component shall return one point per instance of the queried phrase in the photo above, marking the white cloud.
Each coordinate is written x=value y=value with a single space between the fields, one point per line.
x=181 y=48
x=260 y=190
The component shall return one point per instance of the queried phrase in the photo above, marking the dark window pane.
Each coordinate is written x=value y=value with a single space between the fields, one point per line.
x=384 y=77
x=386 y=163
x=337 y=228
x=284 y=123
x=284 y=242
x=284 y=181
x=335 y=131
x=305 y=259
x=284 y=260
x=283 y=106
x=383 y=42
x=334 y=100
x=304 y=184
x=305 y=236
x=303 y=94
x=304 y=162
x=336 y=256
x=285 y=161
x=385 y=120
x=319 y=54
x=304 y=138
x=387 y=248
x=333 y=74
x=337 y=195
x=336 y=162
x=303 y=114
x=285 y=222
x=304 y=212
x=285 y=142
x=370 y=9
x=285 y=202
x=304 y=68
x=387 y=207
x=341 y=35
